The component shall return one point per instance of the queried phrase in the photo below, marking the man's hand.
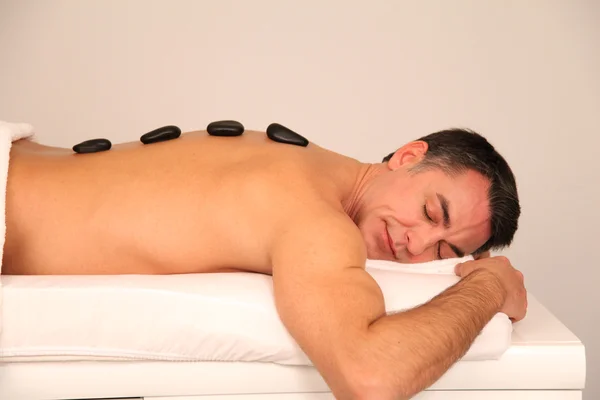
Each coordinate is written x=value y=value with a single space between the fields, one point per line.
x=511 y=280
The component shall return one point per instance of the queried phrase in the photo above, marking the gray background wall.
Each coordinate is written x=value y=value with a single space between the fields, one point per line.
x=361 y=78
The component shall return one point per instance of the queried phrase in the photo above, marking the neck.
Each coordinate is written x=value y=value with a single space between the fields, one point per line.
x=356 y=185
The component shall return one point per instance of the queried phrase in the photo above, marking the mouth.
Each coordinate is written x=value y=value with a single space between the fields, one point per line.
x=390 y=243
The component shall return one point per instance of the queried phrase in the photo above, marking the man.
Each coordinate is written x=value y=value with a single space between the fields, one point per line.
x=306 y=215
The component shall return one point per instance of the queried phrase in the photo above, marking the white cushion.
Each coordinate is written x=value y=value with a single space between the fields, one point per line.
x=225 y=316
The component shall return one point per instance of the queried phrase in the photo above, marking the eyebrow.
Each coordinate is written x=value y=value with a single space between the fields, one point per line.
x=444 y=202
x=445 y=205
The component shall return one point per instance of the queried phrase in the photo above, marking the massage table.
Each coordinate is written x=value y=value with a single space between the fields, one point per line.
x=217 y=337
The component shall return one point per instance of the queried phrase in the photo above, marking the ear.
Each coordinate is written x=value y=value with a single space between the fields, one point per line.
x=408 y=155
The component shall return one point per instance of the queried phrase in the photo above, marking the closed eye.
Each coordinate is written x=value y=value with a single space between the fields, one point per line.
x=439 y=244
x=426 y=213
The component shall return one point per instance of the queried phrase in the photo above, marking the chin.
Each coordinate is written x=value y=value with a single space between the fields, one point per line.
x=374 y=252
x=379 y=256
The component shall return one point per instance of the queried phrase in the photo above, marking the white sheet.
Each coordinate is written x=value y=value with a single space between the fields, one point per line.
x=223 y=317
x=9 y=133
x=544 y=355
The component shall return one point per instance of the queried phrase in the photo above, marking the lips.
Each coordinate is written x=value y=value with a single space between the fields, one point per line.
x=390 y=243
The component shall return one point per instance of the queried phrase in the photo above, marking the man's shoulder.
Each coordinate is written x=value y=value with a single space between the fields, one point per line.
x=296 y=194
x=322 y=233
x=307 y=202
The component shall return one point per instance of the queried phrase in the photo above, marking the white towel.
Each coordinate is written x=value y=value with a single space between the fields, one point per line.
x=9 y=132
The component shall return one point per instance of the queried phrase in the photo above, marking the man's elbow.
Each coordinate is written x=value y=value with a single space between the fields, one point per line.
x=380 y=385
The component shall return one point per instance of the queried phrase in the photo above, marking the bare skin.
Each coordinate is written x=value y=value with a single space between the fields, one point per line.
x=195 y=204
x=307 y=216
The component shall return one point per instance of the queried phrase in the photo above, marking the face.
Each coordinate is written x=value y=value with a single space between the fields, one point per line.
x=413 y=217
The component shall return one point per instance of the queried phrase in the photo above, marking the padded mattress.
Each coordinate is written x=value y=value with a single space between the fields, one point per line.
x=543 y=355
x=194 y=317
x=193 y=335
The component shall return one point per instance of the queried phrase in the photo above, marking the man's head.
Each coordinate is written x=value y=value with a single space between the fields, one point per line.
x=444 y=195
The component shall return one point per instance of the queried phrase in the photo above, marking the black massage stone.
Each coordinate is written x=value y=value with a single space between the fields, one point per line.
x=165 y=133
x=281 y=134
x=92 y=146
x=225 y=128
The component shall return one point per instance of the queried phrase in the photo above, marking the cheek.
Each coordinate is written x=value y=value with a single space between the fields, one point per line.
x=369 y=224
x=369 y=229
x=409 y=215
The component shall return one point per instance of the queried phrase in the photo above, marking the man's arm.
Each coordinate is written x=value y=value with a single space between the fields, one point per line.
x=335 y=311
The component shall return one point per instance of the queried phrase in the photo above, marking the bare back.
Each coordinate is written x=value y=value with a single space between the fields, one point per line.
x=195 y=204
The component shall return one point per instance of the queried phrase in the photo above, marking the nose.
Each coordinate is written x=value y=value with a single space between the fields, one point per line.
x=415 y=243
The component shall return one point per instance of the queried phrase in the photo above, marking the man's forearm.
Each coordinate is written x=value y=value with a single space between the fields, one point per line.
x=415 y=347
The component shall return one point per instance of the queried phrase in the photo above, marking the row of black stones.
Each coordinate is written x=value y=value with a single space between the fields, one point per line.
x=275 y=132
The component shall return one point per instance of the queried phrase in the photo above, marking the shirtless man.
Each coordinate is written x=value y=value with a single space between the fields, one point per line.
x=306 y=215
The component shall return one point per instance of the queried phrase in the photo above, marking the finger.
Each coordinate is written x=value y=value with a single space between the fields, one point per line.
x=522 y=310
x=465 y=268
x=518 y=317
